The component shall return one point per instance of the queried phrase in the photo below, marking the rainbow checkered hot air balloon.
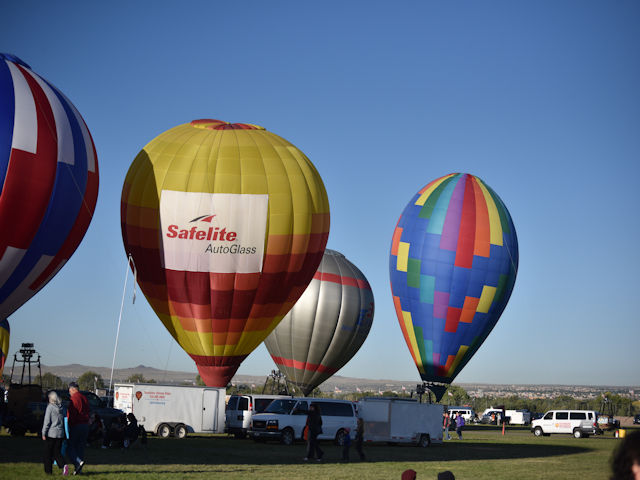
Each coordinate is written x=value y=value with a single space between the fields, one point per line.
x=48 y=182
x=453 y=264
x=227 y=224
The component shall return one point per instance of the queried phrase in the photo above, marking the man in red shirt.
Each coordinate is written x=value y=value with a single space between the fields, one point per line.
x=78 y=415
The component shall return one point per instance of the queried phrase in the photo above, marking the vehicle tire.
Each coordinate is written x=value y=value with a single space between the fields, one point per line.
x=180 y=431
x=287 y=437
x=164 y=430
x=339 y=440
x=538 y=432
x=424 y=440
x=577 y=433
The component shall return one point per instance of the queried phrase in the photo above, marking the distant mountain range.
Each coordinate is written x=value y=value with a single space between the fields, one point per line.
x=336 y=383
x=73 y=371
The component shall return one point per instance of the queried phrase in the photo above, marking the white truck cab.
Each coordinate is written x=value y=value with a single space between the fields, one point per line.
x=284 y=420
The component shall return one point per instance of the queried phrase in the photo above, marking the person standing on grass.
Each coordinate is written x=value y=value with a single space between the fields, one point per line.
x=459 y=425
x=446 y=423
x=53 y=435
x=346 y=445
x=360 y=438
x=78 y=415
x=314 y=428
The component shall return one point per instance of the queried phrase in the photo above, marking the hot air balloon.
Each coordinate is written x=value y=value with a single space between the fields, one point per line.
x=453 y=264
x=326 y=327
x=48 y=182
x=5 y=332
x=226 y=224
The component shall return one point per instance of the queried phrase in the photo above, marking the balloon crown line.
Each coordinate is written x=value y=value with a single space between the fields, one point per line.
x=14 y=59
x=211 y=124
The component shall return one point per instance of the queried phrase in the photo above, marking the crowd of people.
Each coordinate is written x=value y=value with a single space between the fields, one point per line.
x=66 y=433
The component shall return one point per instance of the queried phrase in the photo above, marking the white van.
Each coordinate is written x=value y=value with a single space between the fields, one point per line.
x=285 y=419
x=467 y=413
x=579 y=423
x=241 y=408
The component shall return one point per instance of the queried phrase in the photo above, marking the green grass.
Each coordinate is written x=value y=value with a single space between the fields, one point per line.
x=483 y=454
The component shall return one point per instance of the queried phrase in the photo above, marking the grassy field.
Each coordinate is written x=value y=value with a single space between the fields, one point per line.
x=483 y=454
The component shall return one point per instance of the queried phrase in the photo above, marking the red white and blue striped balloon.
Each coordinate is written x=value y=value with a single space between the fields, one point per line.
x=48 y=182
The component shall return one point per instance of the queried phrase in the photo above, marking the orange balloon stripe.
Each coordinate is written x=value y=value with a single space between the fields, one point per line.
x=396 y=240
x=482 y=244
x=469 y=309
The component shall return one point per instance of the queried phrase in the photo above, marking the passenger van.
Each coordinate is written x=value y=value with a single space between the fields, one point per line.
x=241 y=408
x=467 y=413
x=285 y=419
x=579 y=423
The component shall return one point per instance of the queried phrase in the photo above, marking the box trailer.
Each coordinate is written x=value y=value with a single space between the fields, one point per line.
x=167 y=410
x=398 y=420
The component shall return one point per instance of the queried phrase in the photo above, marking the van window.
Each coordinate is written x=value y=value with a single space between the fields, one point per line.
x=548 y=416
x=562 y=415
x=302 y=408
x=243 y=403
x=577 y=416
x=233 y=403
x=280 y=406
x=335 y=409
x=590 y=415
x=261 y=404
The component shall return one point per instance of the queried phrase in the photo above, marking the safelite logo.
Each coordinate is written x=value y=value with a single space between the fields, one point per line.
x=213 y=232
x=195 y=233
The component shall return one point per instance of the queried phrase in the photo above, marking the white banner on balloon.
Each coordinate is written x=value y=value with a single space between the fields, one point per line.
x=213 y=232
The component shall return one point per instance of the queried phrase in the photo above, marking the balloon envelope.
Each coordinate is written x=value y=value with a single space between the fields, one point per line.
x=326 y=327
x=5 y=332
x=226 y=224
x=453 y=264
x=48 y=182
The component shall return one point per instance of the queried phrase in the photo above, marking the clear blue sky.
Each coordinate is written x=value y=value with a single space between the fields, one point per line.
x=540 y=99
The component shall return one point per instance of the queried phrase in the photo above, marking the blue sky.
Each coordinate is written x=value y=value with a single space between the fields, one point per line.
x=540 y=99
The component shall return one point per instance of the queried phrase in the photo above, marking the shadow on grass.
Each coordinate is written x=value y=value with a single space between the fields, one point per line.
x=220 y=450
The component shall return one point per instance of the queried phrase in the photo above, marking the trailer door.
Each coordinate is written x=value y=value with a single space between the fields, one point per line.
x=209 y=409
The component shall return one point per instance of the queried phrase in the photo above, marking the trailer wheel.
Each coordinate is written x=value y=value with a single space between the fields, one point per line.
x=424 y=441
x=164 y=431
x=180 y=431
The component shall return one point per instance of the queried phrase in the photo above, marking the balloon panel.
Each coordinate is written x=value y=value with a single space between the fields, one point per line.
x=48 y=182
x=453 y=264
x=226 y=224
x=326 y=326
x=5 y=332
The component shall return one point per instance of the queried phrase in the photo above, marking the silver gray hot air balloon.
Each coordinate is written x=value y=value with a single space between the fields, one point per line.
x=326 y=326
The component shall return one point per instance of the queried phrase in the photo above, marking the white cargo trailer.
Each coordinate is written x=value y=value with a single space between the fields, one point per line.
x=400 y=420
x=172 y=410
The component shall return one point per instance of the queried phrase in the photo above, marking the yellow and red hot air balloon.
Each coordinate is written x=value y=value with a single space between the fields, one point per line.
x=5 y=332
x=227 y=224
